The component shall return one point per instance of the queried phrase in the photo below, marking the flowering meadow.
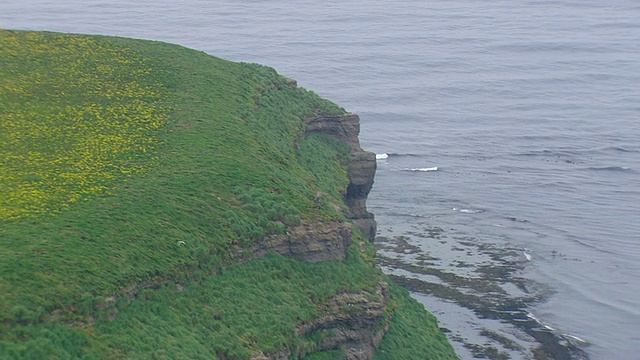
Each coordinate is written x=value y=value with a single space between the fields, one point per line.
x=76 y=114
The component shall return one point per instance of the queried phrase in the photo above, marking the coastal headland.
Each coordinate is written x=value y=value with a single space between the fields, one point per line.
x=157 y=202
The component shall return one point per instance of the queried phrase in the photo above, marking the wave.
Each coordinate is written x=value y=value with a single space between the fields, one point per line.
x=575 y=338
x=557 y=156
x=513 y=218
x=577 y=153
x=619 y=149
x=435 y=168
x=402 y=214
x=568 y=337
x=558 y=153
x=596 y=247
x=535 y=153
x=468 y=211
x=610 y=168
x=392 y=155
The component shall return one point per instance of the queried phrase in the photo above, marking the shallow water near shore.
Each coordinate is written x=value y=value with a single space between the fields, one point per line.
x=479 y=289
x=508 y=200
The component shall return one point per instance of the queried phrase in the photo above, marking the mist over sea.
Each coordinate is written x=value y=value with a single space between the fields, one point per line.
x=530 y=110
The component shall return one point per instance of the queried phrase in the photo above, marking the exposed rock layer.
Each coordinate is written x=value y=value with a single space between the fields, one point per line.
x=353 y=321
x=318 y=241
x=361 y=167
x=350 y=321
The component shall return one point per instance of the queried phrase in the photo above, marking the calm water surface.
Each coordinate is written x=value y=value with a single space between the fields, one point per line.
x=529 y=109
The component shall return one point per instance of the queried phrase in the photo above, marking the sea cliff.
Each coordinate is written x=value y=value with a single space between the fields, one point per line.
x=159 y=202
x=361 y=166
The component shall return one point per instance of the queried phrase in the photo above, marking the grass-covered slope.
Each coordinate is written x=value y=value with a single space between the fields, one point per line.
x=129 y=170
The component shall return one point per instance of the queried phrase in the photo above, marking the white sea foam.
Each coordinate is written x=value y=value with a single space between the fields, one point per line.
x=573 y=337
x=382 y=156
x=533 y=317
x=468 y=211
x=550 y=328
x=435 y=168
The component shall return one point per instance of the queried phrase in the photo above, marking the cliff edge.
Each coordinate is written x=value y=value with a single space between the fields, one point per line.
x=361 y=166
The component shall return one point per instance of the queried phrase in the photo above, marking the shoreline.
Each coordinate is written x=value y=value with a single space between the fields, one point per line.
x=476 y=290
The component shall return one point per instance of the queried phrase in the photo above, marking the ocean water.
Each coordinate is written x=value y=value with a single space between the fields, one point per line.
x=530 y=111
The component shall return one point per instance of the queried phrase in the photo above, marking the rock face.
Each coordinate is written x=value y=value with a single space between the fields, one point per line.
x=317 y=241
x=361 y=167
x=352 y=321
x=349 y=321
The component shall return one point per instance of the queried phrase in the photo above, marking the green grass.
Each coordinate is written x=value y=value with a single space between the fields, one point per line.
x=77 y=113
x=129 y=168
x=217 y=143
x=246 y=308
x=413 y=332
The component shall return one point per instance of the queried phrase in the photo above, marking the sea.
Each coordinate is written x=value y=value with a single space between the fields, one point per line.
x=508 y=136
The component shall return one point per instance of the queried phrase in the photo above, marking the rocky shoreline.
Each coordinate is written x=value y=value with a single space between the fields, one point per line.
x=477 y=290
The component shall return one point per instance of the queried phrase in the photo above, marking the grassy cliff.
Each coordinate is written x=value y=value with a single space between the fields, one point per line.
x=132 y=176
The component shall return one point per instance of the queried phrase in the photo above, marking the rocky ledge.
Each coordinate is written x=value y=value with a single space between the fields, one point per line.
x=350 y=322
x=309 y=241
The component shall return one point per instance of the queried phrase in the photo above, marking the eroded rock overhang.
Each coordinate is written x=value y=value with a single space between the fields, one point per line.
x=361 y=167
